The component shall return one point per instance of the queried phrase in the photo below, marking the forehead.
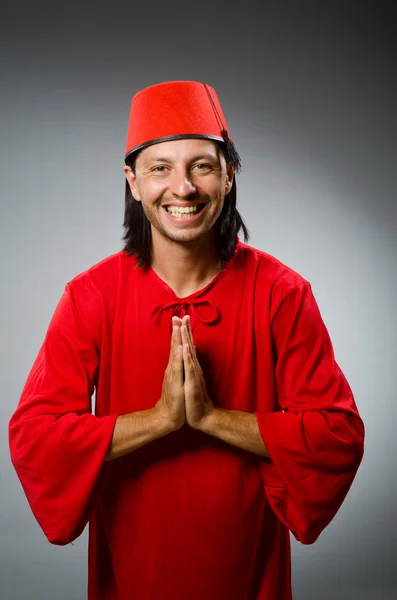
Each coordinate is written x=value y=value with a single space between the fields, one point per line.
x=182 y=149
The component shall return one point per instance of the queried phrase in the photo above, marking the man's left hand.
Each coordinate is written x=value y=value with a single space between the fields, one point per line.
x=198 y=405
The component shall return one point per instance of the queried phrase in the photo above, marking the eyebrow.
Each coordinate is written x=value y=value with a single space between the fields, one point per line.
x=169 y=159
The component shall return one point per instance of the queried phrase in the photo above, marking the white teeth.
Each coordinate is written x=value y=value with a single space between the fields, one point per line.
x=183 y=210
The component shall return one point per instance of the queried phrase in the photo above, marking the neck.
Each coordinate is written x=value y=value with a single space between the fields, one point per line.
x=185 y=267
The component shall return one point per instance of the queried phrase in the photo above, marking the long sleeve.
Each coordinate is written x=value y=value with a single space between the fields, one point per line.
x=316 y=439
x=57 y=445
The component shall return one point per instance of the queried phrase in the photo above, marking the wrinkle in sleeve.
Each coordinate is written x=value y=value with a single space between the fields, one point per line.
x=57 y=445
x=315 y=440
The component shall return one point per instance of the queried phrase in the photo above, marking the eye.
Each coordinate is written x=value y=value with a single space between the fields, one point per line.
x=159 y=168
x=203 y=166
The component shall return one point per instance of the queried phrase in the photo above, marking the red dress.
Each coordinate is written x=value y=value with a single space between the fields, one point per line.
x=187 y=516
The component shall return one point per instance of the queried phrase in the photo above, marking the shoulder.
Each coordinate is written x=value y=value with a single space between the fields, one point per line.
x=104 y=276
x=275 y=280
x=94 y=291
x=270 y=270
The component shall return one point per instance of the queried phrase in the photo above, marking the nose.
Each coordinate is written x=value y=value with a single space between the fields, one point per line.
x=181 y=183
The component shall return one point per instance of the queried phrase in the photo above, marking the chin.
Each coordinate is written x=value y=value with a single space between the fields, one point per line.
x=183 y=236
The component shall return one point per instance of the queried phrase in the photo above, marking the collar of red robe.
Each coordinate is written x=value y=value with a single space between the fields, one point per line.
x=198 y=309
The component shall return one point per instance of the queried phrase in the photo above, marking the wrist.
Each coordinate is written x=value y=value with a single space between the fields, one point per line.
x=163 y=422
x=208 y=421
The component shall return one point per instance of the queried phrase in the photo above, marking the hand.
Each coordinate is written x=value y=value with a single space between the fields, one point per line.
x=172 y=402
x=198 y=404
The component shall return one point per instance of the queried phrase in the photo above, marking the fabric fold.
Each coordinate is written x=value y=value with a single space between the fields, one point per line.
x=315 y=440
x=57 y=446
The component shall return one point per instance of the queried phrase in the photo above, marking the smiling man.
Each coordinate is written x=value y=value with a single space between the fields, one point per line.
x=222 y=420
x=181 y=185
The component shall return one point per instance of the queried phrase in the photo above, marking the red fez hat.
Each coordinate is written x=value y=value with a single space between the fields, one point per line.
x=177 y=109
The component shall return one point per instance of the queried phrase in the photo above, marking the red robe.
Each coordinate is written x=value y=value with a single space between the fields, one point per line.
x=187 y=515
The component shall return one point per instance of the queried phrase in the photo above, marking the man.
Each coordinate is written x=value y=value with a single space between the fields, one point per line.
x=222 y=420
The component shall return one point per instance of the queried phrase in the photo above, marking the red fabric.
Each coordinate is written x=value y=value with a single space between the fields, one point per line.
x=174 y=108
x=187 y=516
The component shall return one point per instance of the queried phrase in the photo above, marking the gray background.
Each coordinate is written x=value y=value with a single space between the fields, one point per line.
x=309 y=93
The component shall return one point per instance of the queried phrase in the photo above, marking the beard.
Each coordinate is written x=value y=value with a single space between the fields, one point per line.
x=157 y=217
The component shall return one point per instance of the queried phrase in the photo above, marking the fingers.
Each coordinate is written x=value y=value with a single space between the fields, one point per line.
x=174 y=338
x=187 y=337
x=177 y=356
x=176 y=342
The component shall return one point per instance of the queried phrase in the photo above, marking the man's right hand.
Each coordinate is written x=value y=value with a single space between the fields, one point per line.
x=136 y=429
x=172 y=402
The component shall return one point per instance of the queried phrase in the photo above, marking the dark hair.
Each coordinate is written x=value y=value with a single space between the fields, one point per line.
x=138 y=235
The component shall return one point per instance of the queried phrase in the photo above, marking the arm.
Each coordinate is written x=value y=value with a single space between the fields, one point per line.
x=235 y=427
x=59 y=449
x=136 y=429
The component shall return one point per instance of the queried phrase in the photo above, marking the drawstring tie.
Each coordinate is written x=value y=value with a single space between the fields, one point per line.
x=202 y=310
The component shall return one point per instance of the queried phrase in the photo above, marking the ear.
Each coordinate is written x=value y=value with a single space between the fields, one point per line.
x=229 y=178
x=131 y=178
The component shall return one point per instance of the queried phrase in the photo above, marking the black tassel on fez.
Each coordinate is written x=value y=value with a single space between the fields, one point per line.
x=233 y=155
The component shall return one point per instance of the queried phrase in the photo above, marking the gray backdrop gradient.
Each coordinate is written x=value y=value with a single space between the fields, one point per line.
x=309 y=93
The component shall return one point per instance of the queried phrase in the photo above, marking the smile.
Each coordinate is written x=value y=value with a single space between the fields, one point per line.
x=184 y=213
x=184 y=210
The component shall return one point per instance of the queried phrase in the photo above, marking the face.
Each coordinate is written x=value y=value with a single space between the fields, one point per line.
x=182 y=185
